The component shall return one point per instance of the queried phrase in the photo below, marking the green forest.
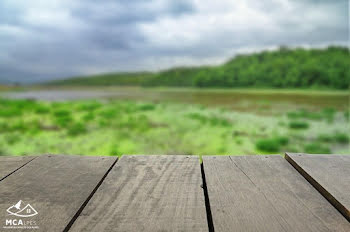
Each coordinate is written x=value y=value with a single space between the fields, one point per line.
x=282 y=68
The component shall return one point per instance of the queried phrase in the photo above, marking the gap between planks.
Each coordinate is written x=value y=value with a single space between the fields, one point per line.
x=294 y=206
x=89 y=197
x=139 y=198
x=290 y=157
x=57 y=186
x=16 y=169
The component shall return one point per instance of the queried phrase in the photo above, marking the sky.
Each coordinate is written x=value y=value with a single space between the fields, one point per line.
x=41 y=40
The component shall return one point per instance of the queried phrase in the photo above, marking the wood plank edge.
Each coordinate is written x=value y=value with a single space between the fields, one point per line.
x=330 y=198
x=69 y=225
x=34 y=157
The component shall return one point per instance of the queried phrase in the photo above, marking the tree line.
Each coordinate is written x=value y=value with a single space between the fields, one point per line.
x=282 y=68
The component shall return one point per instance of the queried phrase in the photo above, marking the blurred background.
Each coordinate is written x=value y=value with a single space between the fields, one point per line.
x=197 y=77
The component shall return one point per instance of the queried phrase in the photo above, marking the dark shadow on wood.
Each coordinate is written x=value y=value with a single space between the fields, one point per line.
x=207 y=202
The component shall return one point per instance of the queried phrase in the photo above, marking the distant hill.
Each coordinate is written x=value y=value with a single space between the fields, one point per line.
x=130 y=79
x=283 y=68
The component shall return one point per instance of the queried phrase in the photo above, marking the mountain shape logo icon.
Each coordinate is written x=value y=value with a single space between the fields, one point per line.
x=20 y=211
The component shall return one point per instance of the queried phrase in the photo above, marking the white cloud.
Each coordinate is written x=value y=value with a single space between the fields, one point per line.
x=240 y=22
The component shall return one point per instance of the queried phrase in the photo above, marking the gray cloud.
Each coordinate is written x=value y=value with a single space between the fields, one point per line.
x=43 y=40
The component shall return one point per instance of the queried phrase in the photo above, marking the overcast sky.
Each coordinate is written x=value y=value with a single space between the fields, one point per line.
x=46 y=39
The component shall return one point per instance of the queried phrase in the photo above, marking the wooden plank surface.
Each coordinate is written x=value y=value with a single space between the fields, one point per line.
x=329 y=174
x=10 y=164
x=265 y=193
x=55 y=186
x=148 y=193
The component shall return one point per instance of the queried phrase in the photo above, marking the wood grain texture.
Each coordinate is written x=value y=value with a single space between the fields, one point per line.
x=56 y=186
x=329 y=174
x=10 y=164
x=148 y=193
x=265 y=193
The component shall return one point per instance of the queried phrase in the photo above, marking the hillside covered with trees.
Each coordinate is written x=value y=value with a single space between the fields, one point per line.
x=283 y=68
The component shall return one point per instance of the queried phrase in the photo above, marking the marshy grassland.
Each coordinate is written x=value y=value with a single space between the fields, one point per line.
x=173 y=121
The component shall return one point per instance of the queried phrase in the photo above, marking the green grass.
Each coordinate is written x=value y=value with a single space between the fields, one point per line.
x=325 y=138
x=77 y=129
x=63 y=121
x=211 y=120
x=317 y=148
x=337 y=137
x=115 y=127
x=341 y=138
x=272 y=144
x=62 y=113
x=88 y=117
x=298 y=125
x=304 y=114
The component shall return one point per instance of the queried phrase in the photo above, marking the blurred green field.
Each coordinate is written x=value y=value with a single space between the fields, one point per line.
x=118 y=126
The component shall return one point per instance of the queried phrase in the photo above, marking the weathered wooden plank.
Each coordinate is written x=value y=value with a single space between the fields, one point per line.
x=55 y=186
x=10 y=164
x=148 y=193
x=329 y=174
x=265 y=193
